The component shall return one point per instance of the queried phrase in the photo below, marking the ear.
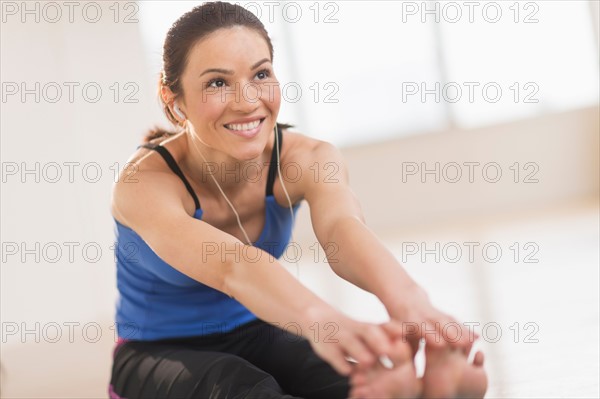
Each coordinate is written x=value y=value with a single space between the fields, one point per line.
x=178 y=110
x=166 y=94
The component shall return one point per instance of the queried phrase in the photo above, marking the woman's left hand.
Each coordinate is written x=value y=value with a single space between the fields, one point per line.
x=413 y=317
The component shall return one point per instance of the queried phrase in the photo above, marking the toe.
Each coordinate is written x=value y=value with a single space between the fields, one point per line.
x=358 y=379
x=361 y=393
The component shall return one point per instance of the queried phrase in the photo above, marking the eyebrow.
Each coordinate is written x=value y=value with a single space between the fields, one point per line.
x=228 y=72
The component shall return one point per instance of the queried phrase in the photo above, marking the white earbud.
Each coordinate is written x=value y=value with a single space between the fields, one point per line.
x=178 y=111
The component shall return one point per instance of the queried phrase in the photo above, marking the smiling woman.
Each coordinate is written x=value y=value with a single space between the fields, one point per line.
x=205 y=310
x=222 y=102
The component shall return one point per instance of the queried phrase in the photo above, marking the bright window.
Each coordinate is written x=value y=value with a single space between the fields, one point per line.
x=354 y=72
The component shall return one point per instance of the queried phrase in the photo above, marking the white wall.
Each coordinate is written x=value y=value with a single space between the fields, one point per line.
x=96 y=135
x=562 y=149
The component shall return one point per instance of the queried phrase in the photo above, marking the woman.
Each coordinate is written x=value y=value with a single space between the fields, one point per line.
x=205 y=309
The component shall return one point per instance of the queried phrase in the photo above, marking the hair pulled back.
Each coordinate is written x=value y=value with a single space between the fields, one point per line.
x=191 y=27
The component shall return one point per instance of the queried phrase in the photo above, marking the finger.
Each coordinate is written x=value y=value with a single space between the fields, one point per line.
x=469 y=347
x=377 y=340
x=393 y=328
x=401 y=353
x=336 y=359
x=433 y=335
x=479 y=358
x=453 y=333
x=355 y=348
x=465 y=340
x=411 y=334
x=415 y=344
x=458 y=335
x=469 y=340
x=466 y=349
x=429 y=331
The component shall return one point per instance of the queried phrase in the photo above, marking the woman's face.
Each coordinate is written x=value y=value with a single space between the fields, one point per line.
x=231 y=94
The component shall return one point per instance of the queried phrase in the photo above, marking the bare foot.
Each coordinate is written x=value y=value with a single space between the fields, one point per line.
x=449 y=375
x=379 y=381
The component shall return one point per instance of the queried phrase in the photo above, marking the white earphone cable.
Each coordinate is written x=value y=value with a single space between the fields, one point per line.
x=237 y=216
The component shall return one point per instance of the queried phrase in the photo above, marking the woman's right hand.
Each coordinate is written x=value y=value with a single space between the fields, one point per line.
x=334 y=337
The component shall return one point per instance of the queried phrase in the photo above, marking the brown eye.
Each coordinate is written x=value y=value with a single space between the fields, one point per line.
x=217 y=83
x=263 y=74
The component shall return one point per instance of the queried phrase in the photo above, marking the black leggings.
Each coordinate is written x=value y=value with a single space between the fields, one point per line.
x=255 y=360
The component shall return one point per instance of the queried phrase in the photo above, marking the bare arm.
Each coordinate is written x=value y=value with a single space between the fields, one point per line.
x=153 y=208
x=359 y=256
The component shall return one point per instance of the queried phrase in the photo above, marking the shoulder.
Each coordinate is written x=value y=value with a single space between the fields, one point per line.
x=310 y=163
x=144 y=182
x=307 y=150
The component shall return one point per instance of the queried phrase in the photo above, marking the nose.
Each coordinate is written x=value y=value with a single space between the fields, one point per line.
x=247 y=99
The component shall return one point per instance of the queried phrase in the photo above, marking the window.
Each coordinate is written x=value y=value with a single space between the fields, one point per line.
x=540 y=54
x=354 y=72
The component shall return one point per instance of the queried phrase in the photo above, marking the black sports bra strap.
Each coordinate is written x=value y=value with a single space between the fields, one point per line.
x=273 y=165
x=174 y=167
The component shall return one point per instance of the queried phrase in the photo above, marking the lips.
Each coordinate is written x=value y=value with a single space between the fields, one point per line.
x=246 y=129
x=244 y=126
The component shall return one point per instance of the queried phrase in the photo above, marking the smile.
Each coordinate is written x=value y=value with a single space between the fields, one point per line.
x=249 y=129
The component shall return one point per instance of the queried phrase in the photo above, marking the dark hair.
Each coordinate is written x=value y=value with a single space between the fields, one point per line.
x=188 y=30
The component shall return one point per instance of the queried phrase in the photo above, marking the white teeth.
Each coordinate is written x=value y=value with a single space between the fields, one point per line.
x=244 y=126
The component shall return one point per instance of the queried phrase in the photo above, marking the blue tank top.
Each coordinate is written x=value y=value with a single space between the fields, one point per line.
x=156 y=301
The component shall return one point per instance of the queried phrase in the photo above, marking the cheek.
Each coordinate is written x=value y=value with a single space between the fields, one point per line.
x=210 y=109
x=272 y=96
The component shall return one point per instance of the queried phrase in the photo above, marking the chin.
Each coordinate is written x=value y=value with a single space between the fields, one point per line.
x=249 y=152
x=253 y=149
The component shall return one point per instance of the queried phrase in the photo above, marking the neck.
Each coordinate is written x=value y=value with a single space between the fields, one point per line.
x=201 y=161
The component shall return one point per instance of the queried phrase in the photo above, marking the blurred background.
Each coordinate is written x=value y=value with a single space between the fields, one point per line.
x=471 y=131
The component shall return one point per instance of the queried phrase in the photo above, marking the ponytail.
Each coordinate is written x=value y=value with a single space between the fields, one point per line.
x=157 y=132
